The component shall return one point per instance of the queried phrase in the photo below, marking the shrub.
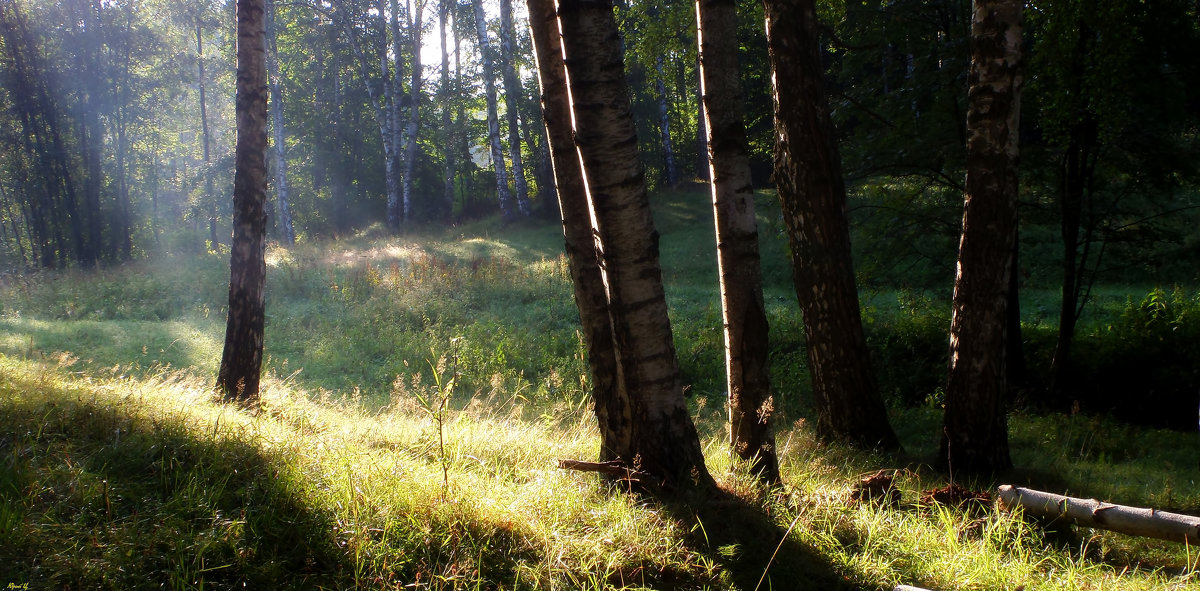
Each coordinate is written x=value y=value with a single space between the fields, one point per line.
x=909 y=347
x=1145 y=364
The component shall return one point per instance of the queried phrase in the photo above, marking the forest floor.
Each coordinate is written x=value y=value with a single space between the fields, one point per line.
x=118 y=470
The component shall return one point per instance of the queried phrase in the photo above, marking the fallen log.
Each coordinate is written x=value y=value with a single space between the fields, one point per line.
x=1135 y=521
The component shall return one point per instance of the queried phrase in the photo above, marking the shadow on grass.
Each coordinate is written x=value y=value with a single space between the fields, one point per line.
x=143 y=344
x=95 y=497
x=747 y=545
x=102 y=490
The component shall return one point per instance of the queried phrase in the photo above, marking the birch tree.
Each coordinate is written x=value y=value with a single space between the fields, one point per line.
x=512 y=105
x=449 y=140
x=489 y=85
x=662 y=439
x=206 y=136
x=747 y=356
x=380 y=89
x=409 y=137
x=288 y=232
x=610 y=400
x=670 y=171
x=241 y=360
x=813 y=197
x=975 y=433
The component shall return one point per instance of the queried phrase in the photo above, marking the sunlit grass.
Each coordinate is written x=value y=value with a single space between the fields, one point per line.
x=144 y=344
x=370 y=483
x=116 y=481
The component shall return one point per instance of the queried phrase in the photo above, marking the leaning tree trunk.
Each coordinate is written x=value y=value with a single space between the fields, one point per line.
x=281 y=182
x=414 y=110
x=747 y=356
x=813 y=195
x=241 y=361
x=209 y=198
x=975 y=435
x=611 y=401
x=670 y=171
x=489 y=84
x=382 y=102
x=665 y=442
x=448 y=135
x=512 y=100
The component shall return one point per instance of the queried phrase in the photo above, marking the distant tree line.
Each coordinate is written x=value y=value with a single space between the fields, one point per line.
x=119 y=132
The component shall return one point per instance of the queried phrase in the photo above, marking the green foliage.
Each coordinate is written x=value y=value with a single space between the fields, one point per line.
x=1145 y=364
x=909 y=346
x=1110 y=149
x=905 y=233
x=897 y=91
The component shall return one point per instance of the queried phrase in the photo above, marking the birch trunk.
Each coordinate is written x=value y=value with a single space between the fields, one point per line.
x=489 y=81
x=394 y=88
x=124 y=222
x=747 y=356
x=280 y=152
x=664 y=439
x=610 y=400
x=975 y=433
x=449 y=143
x=1135 y=521
x=701 y=132
x=241 y=360
x=381 y=104
x=671 y=172
x=414 y=111
x=813 y=195
x=206 y=139
x=512 y=100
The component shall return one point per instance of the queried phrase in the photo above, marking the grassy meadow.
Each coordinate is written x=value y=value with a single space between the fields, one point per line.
x=119 y=471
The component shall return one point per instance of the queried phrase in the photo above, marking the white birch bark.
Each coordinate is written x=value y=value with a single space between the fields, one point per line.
x=1135 y=521
x=664 y=438
x=664 y=126
x=489 y=81
x=747 y=355
x=280 y=152
x=381 y=101
x=414 y=101
x=512 y=96
x=448 y=137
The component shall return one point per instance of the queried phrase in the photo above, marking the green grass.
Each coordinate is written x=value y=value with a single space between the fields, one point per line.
x=112 y=481
x=117 y=469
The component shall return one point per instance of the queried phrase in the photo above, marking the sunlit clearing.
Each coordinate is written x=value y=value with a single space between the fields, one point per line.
x=387 y=253
x=278 y=255
x=482 y=247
